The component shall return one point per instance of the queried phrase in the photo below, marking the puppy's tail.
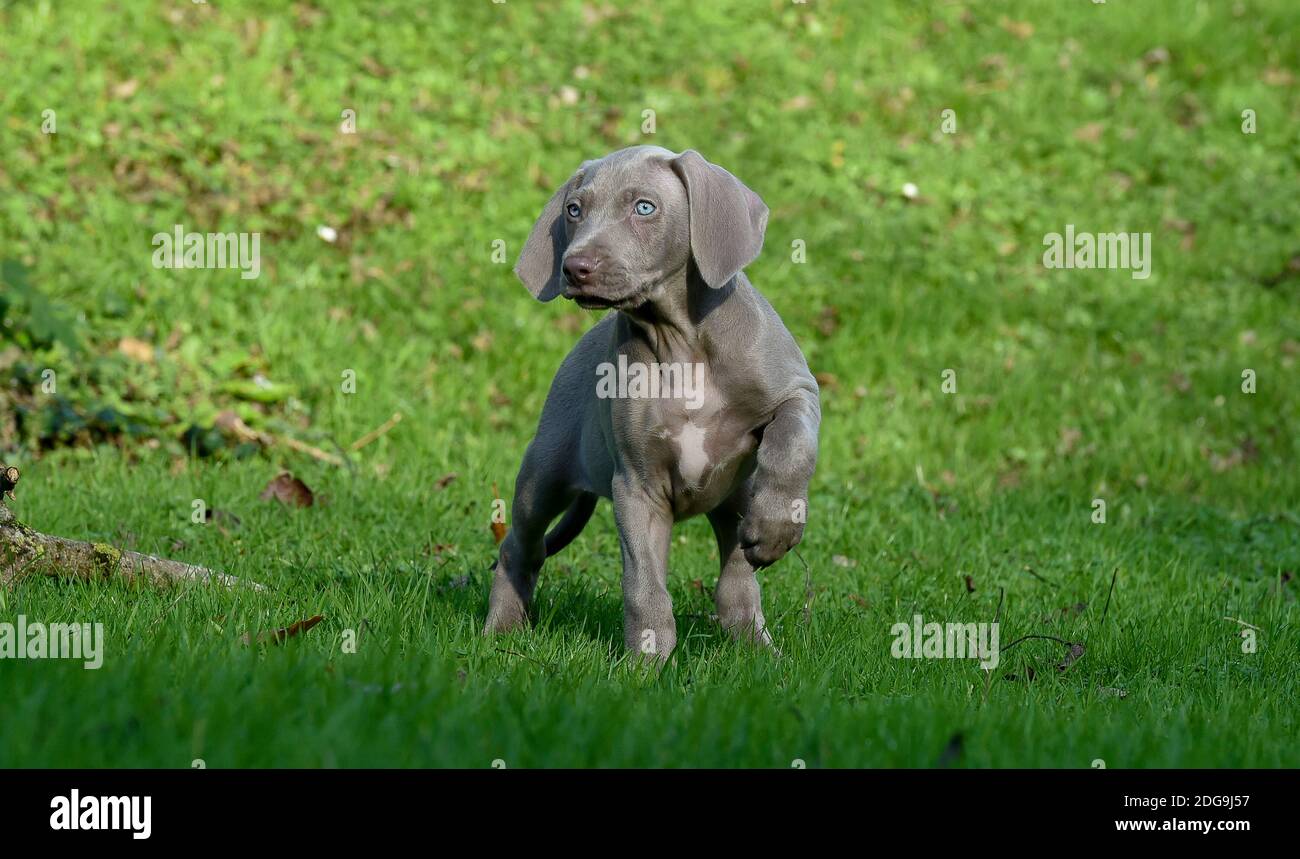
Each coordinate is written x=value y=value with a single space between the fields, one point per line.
x=572 y=523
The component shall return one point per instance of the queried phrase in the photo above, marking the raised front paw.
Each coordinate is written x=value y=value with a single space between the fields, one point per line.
x=773 y=525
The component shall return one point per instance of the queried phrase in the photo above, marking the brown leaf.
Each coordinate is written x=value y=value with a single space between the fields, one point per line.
x=1277 y=76
x=289 y=491
x=828 y=320
x=860 y=600
x=1089 y=133
x=125 y=89
x=438 y=549
x=136 y=350
x=1246 y=453
x=1157 y=56
x=1019 y=29
x=278 y=636
x=444 y=481
x=498 y=528
x=970 y=585
x=1070 y=436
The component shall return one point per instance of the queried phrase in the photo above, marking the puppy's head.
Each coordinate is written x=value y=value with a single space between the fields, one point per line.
x=624 y=226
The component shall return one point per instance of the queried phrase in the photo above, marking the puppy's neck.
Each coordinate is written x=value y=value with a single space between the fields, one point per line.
x=671 y=321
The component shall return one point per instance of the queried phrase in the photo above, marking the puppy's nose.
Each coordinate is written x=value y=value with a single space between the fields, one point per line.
x=580 y=268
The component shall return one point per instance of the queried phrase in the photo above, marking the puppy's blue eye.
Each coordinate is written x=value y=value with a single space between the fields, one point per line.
x=644 y=207
x=574 y=210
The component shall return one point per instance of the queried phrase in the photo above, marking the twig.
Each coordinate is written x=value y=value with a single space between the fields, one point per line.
x=376 y=433
x=232 y=423
x=313 y=452
x=1113 y=576
x=1035 y=574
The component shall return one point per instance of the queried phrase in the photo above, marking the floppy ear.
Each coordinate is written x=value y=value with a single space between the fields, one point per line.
x=727 y=219
x=539 y=262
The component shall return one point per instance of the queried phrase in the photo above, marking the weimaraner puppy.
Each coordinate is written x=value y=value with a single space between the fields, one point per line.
x=661 y=239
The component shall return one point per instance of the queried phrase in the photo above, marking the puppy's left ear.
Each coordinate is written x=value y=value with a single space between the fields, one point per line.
x=727 y=218
x=539 y=262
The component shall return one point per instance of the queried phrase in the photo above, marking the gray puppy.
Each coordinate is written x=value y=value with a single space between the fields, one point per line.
x=720 y=415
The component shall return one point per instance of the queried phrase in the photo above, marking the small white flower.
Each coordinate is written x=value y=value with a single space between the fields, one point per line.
x=329 y=234
x=910 y=191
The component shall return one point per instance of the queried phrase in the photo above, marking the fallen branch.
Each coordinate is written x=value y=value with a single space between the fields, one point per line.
x=233 y=424
x=24 y=551
x=376 y=433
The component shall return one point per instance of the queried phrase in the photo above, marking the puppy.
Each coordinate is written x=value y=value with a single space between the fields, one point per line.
x=691 y=397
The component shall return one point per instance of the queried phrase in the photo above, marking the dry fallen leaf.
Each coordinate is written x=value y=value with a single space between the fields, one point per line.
x=278 y=636
x=498 y=528
x=1019 y=29
x=445 y=480
x=1089 y=133
x=828 y=320
x=288 y=490
x=125 y=89
x=438 y=549
x=827 y=380
x=136 y=350
x=1070 y=436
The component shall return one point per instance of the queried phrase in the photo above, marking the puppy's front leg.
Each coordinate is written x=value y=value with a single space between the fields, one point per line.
x=645 y=532
x=778 y=502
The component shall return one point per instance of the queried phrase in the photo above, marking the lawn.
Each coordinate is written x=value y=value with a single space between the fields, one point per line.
x=381 y=291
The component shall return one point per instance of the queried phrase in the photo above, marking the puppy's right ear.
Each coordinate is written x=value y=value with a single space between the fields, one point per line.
x=539 y=262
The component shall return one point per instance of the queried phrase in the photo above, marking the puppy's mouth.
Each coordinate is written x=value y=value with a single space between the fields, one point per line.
x=591 y=301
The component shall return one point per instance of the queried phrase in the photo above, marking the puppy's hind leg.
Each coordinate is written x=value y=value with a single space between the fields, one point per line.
x=542 y=492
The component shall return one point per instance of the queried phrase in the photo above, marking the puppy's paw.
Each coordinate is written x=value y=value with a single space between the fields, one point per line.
x=771 y=528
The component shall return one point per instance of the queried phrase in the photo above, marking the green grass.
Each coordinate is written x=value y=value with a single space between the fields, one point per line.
x=1072 y=385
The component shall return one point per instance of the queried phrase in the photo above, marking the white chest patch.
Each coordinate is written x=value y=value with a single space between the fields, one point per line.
x=692 y=461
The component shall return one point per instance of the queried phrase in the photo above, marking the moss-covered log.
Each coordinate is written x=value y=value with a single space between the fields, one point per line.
x=24 y=552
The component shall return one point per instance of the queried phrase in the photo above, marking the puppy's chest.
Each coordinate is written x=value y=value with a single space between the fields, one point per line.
x=699 y=452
